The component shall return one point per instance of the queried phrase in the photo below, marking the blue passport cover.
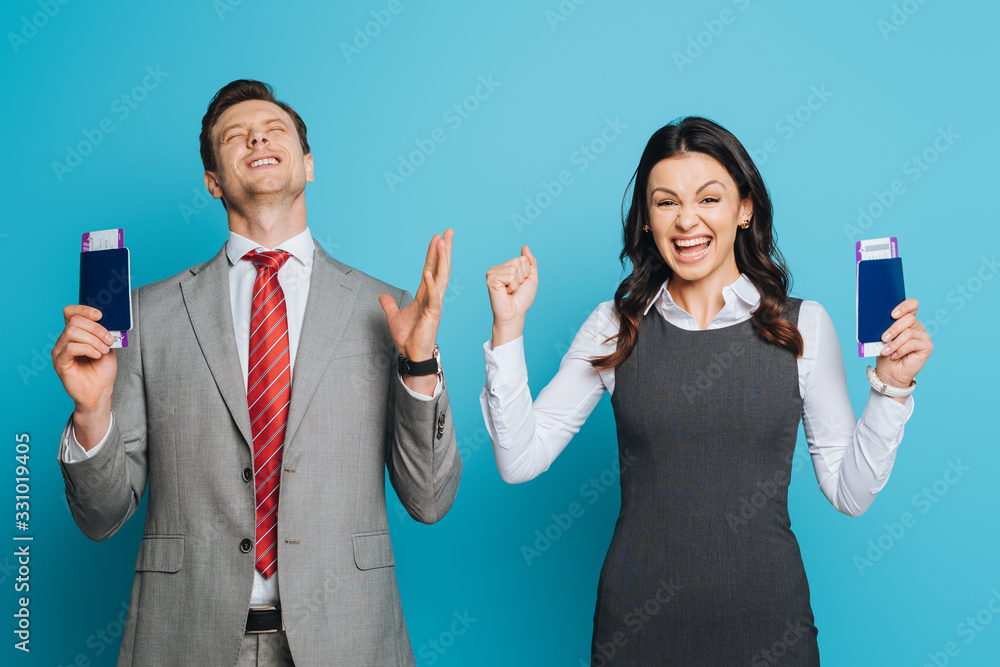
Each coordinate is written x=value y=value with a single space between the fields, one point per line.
x=880 y=289
x=104 y=284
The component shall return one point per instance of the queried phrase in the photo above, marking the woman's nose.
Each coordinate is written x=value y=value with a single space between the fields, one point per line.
x=685 y=219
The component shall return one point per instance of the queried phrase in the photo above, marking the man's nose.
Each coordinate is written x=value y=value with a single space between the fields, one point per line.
x=257 y=136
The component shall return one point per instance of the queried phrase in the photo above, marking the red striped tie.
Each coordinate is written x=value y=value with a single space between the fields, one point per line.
x=269 y=387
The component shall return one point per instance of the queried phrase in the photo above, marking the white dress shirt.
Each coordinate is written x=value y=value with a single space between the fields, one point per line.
x=294 y=278
x=852 y=458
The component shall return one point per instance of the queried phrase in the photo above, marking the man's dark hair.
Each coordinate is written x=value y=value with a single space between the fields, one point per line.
x=235 y=92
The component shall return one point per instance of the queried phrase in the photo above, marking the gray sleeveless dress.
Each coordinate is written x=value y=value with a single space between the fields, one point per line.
x=703 y=568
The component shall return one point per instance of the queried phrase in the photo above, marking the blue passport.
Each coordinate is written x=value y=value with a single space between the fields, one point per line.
x=880 y=289
x=105 y=285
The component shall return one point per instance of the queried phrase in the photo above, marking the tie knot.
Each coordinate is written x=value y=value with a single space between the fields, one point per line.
x=271 y=259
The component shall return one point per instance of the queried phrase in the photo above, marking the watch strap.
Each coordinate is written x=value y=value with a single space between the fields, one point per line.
x=417 y=368
x=887 y=389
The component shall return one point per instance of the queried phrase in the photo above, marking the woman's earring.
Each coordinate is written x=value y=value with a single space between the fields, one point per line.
x=745 y=223
x=645 y=228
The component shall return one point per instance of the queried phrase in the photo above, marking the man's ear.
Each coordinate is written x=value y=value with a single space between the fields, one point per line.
x=308 y=160
x=213 y=185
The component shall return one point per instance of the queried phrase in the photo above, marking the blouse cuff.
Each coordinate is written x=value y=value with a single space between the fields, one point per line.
x=505 y=364
x=885 y=417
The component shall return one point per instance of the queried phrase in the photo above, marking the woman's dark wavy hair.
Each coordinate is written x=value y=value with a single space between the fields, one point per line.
x=757 y=256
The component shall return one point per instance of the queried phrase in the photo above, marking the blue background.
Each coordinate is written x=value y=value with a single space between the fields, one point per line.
x=891 y=79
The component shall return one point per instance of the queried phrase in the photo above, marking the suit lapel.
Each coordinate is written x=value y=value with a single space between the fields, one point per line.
x=333 y=292
x=206 y=297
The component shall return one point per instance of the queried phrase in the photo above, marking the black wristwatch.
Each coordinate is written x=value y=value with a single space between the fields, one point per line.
x=415 y=368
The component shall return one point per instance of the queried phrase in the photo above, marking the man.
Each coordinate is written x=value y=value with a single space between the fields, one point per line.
x=262 y=398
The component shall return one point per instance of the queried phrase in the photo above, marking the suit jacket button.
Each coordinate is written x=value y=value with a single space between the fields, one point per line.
x=441 y=419
x=247 y=474
x=246 y=546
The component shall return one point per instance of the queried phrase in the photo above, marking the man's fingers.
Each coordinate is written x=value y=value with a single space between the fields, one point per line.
x=87 y=338
x=449 y=235
x=388 y=305
x=434 y=294
x=432 y=253
x=443 y=269
x=83 y=350
x=87 y=312
x=86 y=324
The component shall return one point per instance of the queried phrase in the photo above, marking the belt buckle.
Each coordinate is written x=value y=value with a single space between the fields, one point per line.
x=267 y=608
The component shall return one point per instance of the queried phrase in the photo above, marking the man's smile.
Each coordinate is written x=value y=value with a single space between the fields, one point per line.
x=263 y=161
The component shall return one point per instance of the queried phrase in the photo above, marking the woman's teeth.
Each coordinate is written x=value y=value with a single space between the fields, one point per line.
x=692 y=247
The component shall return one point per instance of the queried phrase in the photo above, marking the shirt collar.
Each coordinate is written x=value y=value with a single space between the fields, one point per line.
x=300 y=246
x=741 y=296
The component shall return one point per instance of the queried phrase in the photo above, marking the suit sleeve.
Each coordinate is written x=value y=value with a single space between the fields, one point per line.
x=104 y=490
x=421 y=451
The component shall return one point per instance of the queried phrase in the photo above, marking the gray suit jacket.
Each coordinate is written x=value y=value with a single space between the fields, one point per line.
x=181 y=422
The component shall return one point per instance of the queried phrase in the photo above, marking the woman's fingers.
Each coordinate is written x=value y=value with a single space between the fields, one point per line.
x=905 y=322
x=911 y=341
x=907 y=306
x=510 y=274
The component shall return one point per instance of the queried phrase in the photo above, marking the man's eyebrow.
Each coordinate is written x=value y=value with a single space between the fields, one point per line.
x=223 y=131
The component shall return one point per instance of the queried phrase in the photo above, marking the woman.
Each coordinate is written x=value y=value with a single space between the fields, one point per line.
x=711 y=365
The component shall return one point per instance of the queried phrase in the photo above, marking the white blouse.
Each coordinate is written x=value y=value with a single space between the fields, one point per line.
x=852 y=458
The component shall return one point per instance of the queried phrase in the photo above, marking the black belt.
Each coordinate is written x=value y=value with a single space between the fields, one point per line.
x=264 y=619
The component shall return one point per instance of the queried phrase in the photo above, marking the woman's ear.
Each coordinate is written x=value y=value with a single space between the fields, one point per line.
x=746 y=209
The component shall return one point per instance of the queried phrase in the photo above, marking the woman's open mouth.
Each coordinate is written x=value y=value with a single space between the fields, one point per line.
x=692 y=249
